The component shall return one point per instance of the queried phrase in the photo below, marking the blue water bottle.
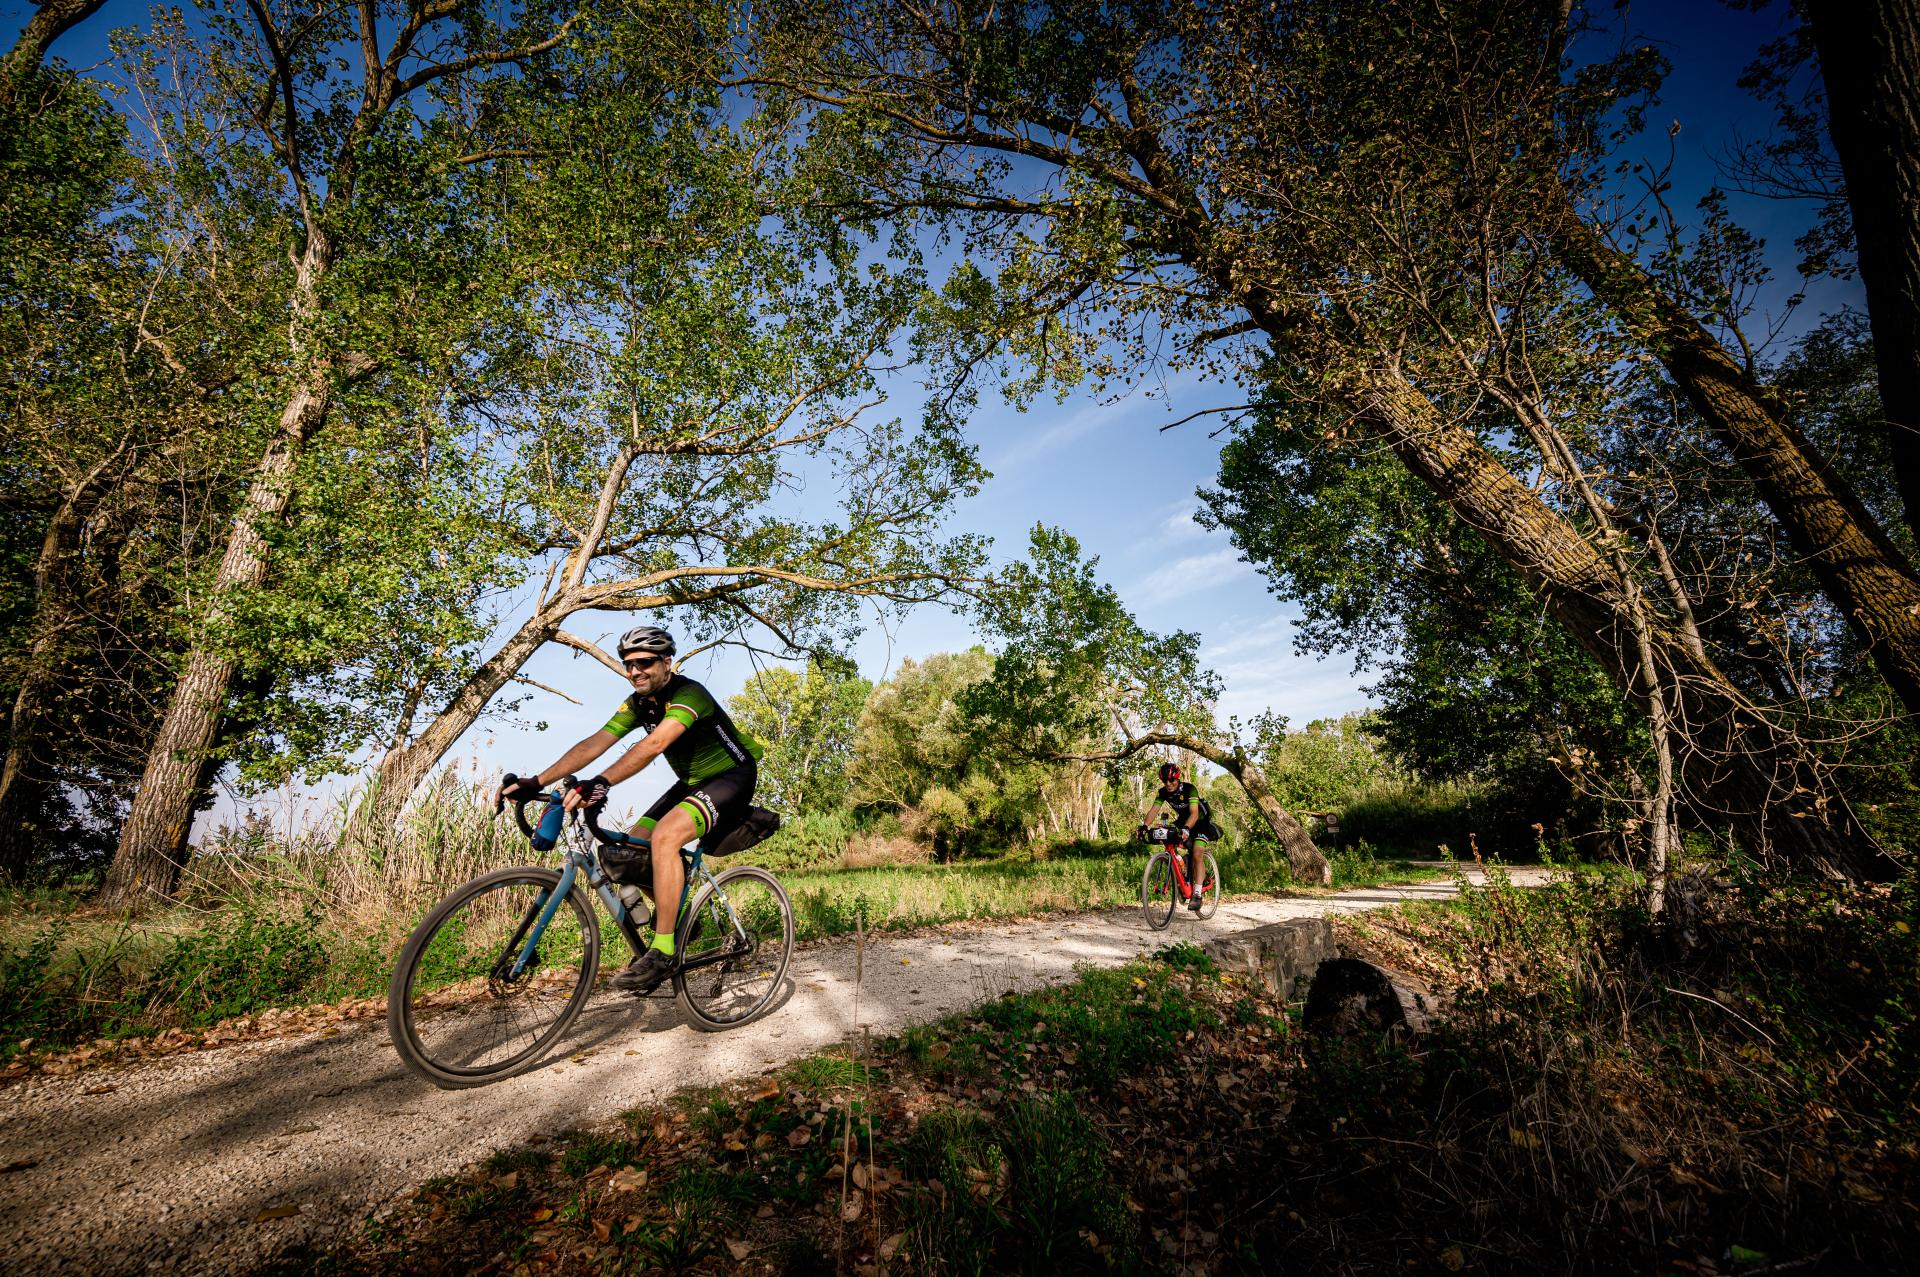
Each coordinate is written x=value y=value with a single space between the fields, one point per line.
x=548 y=832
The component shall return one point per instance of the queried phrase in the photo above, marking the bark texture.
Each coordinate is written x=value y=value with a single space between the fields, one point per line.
x=51 y=20
x=1735 y=766
x=146 y=865
x=1855 y=562
x=1869 y=53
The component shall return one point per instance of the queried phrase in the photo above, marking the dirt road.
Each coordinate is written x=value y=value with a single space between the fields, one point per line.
x=169 y=1170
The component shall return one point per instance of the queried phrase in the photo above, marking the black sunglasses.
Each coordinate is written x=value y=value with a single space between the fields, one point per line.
x=639 y=663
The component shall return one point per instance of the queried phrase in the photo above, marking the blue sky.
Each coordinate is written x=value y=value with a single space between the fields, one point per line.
x=1105 y=472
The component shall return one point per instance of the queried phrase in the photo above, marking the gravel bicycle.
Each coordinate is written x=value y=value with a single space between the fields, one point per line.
x=1164 y=886
x=496 y=971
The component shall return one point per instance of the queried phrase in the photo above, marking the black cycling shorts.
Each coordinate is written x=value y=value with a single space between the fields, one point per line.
x=716 y=804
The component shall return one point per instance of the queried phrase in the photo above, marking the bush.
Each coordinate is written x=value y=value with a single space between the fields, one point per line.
x=816 y=840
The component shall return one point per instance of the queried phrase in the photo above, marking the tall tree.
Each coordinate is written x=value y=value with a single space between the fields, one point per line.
x=807 y=721
x=1078 y=679
x=368 y=118
x=1192 y=202
x=1870 y=62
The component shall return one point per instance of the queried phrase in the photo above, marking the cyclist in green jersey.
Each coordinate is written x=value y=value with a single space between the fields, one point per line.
x=1192 y=816
x=716 y=765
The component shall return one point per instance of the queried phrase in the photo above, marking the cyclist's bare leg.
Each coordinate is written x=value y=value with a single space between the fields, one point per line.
x=674 y=831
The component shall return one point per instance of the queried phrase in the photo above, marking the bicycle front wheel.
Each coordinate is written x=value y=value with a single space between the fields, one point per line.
x=1158 y=892
x=737 y=938
x=458 y=1011
x=1210 y=893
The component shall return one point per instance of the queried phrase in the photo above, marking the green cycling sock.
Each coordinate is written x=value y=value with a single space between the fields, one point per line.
x=663 y=941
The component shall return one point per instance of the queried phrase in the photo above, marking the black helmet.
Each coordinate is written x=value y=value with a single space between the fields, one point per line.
x=1169 y=772
x=646 y=638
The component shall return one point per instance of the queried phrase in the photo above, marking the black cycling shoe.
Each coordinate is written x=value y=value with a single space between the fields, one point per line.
x=1198 y=902
x=644 y=973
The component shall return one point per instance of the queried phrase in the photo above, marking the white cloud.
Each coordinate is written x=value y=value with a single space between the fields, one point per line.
x=1186 y=576
x=1261 y=671
x=1179 y=525
x=1057 y=435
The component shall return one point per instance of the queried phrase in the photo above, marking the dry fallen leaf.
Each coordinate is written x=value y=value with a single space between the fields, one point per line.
x=851 y=1211
x=627 y=1179
x=106 y=1088
x=542 y=1215
x=891 y=1247
x=769 y=1090
x=601 y=1230
x=939 y=1050
x=275 y=1212
x=507 y=1181
x=738 y=1249
x=799 y=1136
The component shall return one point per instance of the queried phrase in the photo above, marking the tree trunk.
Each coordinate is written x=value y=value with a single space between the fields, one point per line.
x=1308 y=865
x=1869 y=53
x=404 y=767
x=1734 y=764
x=146 y=865
x=53 y=19
x=1857 y=566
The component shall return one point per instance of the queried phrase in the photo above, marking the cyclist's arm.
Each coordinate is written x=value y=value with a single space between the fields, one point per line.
x=648 y=748
x=579 y=756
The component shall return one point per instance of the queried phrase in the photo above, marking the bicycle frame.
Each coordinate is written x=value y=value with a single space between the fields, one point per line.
x=581 y=861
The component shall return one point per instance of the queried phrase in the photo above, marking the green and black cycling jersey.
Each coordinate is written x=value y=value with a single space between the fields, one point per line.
x=710 y=745
x=1181 y=797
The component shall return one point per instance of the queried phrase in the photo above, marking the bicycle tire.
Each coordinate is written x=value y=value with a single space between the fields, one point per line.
x=403 y=1021
x=1158 y=891
x=712 y=1001
x=1210 y=898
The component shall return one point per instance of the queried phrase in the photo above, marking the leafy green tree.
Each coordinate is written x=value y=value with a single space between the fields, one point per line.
x=1386 y=228
x=807 y=720
x=710 y=341
x=359 y=143
x=1078 y=679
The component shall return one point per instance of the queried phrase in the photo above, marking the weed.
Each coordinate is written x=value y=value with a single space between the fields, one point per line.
x=586 y=1150
x=1187 y=957
x=829 y=1069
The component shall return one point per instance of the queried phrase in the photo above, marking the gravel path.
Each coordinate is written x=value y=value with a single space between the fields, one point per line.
x=168 y=1171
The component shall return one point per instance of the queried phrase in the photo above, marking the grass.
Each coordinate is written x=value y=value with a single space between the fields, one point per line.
x=265 y=924
x=1733 y=1092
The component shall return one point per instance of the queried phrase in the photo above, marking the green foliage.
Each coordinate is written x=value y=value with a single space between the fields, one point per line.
x=916 y=755
x=807 y=722
x=239 y=964
x=1048 y=1185
x=810 y=841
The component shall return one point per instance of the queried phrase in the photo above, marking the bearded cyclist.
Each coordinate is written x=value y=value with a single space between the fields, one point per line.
x=715 y=762
x=1192 y=816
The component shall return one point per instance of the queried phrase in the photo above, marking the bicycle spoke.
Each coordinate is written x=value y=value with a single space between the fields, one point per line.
x=743 y=932
x=464 y=1013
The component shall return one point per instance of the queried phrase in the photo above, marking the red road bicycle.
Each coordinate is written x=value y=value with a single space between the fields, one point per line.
x=1165 y=887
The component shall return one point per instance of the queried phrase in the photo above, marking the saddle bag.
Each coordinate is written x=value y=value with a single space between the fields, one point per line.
x=756 y=826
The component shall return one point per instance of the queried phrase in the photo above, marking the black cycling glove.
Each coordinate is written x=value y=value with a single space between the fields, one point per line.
x=523 y=787
x=593 y=791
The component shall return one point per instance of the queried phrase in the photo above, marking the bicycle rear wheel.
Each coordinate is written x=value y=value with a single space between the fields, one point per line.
x=457 y=1013
x=1158 y=892
x=1210 y=892
x=746 y=916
